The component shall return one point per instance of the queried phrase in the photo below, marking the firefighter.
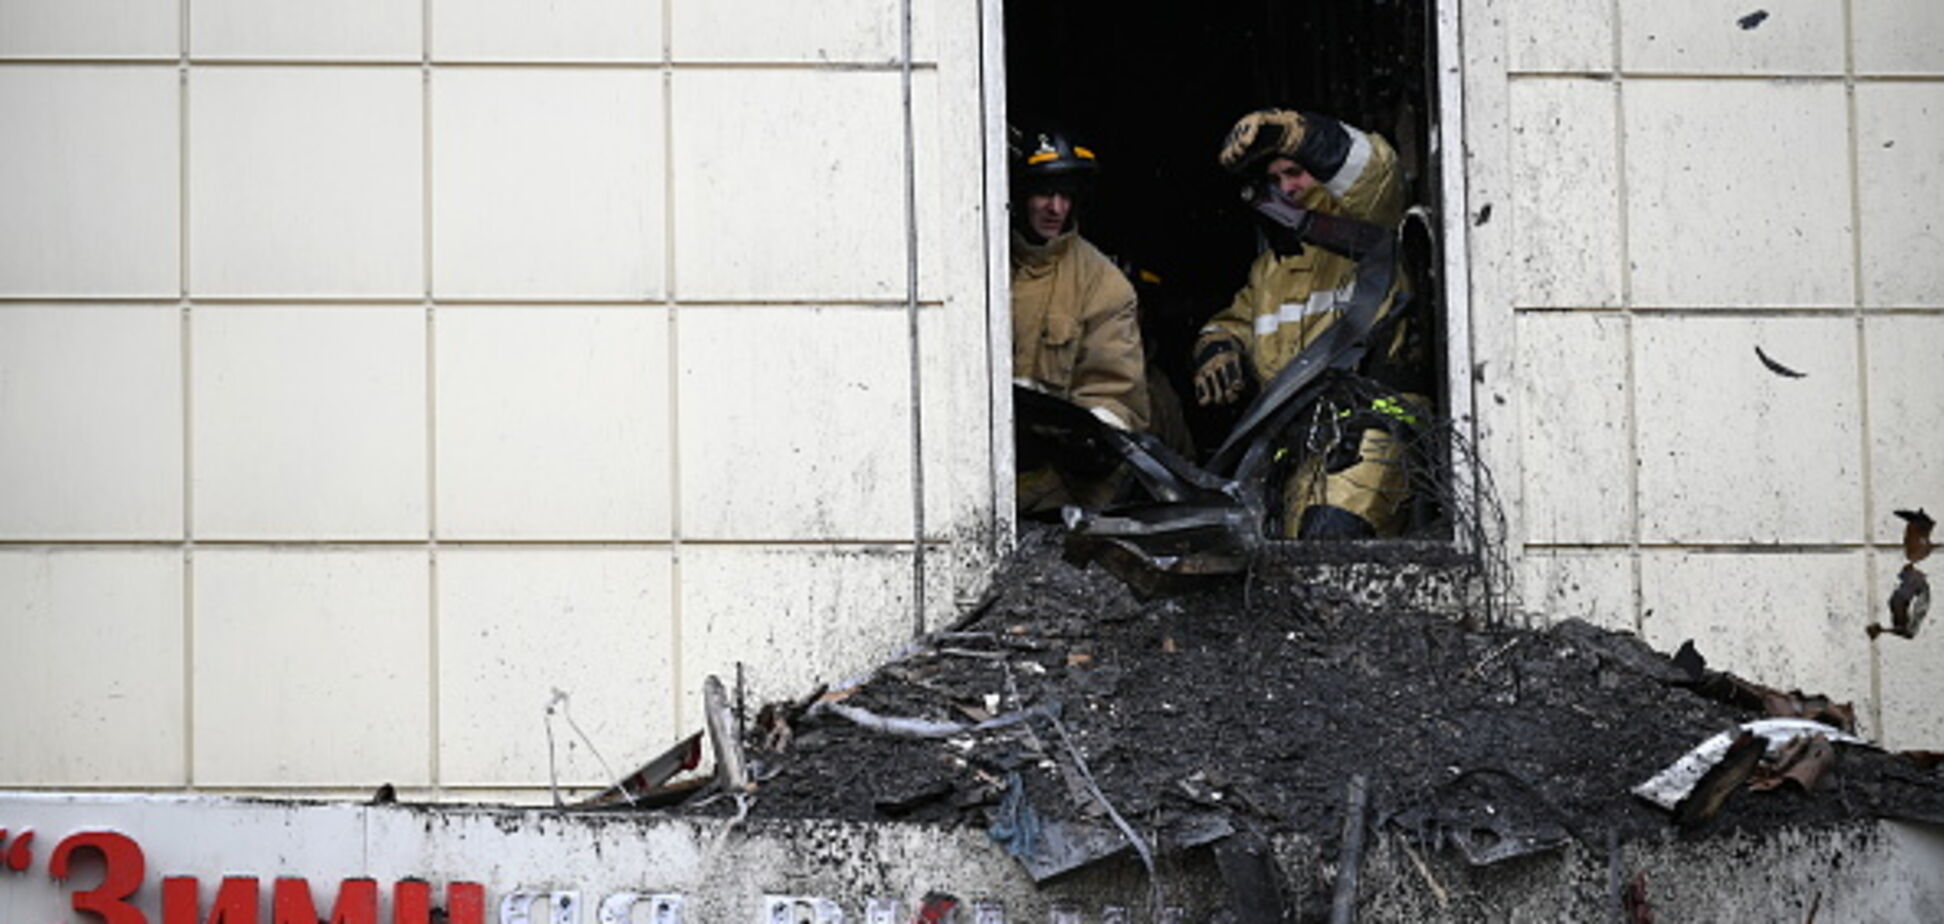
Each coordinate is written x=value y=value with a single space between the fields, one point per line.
x=1075 y=331
x=1311 y=164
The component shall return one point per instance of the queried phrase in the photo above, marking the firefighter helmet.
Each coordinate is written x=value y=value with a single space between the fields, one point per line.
x=1050 y=155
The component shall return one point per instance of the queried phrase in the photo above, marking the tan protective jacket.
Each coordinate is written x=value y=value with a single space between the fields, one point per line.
x=1075 y=331
x=1290 y=301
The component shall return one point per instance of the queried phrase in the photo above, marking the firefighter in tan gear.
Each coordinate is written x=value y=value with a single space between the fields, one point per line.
x=1075 y=331
x=1318 y=166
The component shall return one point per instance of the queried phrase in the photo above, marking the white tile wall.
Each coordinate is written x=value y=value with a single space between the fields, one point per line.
x=1596 y=586
x=362 y=30
x=517 y=30
x=311 y=212
x=574 y=446
x=89 y=169
x=1560 y=35
x=949 y=195
x=799 y=196
x=1791 y=621
x=794 y=423
x=953 y=438
x=90 y=28
x=1906 y=417
x=1900 y=166
x=1898 y=36
x=1736 y=194
x=830 y=31
x=796 y=617
x=547 y=184
x=90 y=422
x=94 y=679
x=516 y=624
x=308 y=422
x=1706 y=37
x=1731 y=452
x=306 y=181
x=1567 y=208
x=1911 y=683
x=1574 y=418
x=311 y=667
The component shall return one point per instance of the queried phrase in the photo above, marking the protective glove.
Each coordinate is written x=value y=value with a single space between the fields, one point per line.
x=1261 y=135
x=1219 y=378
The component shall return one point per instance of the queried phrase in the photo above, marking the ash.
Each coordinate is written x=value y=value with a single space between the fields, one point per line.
x=1251 y=707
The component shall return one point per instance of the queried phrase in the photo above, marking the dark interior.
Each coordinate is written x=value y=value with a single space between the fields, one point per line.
x=1152 y=88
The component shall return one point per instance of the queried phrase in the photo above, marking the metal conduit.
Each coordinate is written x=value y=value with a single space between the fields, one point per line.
x=911 y=328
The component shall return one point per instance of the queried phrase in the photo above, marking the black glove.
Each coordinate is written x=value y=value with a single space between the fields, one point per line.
x=1219 y=378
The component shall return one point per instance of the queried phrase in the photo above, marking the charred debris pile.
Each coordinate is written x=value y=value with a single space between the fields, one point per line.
x=1070 y=714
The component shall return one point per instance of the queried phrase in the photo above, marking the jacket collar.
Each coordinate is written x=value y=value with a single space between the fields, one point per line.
x=1035 y=259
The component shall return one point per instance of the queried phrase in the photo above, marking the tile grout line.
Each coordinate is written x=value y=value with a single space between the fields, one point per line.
x=581 y=301
x=1635 y=566
x=185 y=377
x=1862 y=327
x=434 y=699
x=671 y=350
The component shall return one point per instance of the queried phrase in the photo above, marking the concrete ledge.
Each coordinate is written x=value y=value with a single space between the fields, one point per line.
x=533 y=865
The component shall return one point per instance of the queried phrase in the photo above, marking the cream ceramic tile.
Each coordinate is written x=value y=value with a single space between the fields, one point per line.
x=1571 y=36
x=1737 y=194
x=956 y=483
x=960 y=490
x=94 y=678
x=90 y=177
x=1708 y=37
x=793 y=616
x=829 y=31
x=90 y=28
x=1566 y=213
x=1577 y=454
x=516 y=30
x=1911 y=683
x=547 y=183
x=309 y=422
x=517 y=624
x=1900 y=163
x=955 y=372
x=362 y=30
x=1732 y=452
x=947 y=173
x=1596 y=586
x=1790 y=620
x=553 y=422
x=1906 y=417
x=306 y=181
x=795 y=423
x=799 y=195
x=1898 y=36
x=90 y=422
x=312 y=667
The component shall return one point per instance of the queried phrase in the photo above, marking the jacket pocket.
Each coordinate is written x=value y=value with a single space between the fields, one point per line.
x=1059 y=350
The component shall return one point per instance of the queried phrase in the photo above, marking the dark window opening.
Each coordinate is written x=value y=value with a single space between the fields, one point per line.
x=1154 y=88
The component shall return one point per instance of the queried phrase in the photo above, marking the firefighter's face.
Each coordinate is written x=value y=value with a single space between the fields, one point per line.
x=1292 y=180
x=1047 y=212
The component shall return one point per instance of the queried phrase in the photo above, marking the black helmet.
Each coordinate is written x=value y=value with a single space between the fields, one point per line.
x=1049 y=156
